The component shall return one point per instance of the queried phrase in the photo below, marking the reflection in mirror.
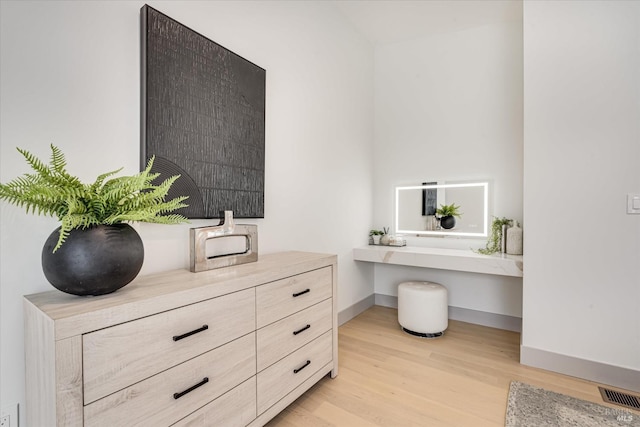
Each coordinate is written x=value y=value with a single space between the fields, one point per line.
x=416 y=205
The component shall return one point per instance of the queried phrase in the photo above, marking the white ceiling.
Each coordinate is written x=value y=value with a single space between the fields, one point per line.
x=389 y=21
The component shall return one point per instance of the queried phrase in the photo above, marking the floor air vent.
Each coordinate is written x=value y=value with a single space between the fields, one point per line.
x=622 y=399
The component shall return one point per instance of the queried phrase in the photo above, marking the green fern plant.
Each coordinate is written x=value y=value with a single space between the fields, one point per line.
x=449 y=210
x=52 y=191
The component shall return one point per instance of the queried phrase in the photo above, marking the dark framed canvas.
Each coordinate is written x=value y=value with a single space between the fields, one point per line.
x=203 y=117
x=429 y=199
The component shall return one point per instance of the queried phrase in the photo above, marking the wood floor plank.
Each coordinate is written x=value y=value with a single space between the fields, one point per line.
x=391 y=379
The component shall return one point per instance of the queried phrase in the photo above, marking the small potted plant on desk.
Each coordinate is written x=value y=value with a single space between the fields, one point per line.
x=375 y=236
x=448 y=214
x=496 y=237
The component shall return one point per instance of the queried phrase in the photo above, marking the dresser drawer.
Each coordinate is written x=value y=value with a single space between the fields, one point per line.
x=284 y=297
x=153 y=401
x=284 y=336
x=235 y=408
x=282 y=377
x=116 y=357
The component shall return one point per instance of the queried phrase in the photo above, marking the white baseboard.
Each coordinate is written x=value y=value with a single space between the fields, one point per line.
x=386 y=300
x=616 y=376
x=493 y=320
x=350 y=312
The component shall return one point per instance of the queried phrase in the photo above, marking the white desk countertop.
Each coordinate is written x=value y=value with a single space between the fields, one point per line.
x=446 y=259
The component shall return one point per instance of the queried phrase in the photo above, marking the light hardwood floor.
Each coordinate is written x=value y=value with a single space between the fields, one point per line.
x=390 y=378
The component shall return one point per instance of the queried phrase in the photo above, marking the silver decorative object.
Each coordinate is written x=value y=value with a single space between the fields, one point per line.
x=199 y=236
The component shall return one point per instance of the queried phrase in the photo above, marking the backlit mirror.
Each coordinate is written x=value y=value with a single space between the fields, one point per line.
x=416 y=206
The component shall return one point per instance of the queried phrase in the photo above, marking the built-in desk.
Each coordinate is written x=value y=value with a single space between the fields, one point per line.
x=446 y=259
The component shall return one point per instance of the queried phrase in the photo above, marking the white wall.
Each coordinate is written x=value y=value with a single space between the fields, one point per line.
x=449 y=108
x=70 y=76
x=582 y=156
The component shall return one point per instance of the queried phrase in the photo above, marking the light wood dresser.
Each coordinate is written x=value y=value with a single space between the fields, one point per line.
x=228 y=347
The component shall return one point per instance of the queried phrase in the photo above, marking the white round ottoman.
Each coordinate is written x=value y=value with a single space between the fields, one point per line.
x=423 y=309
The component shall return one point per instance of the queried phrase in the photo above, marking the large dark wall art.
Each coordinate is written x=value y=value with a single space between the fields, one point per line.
x=203 y=111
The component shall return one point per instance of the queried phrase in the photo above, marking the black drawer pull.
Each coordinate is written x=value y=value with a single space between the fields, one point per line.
x=297 y=294
x=188 y=334
x=190 y=389
x=295 y=371
x=301 y=330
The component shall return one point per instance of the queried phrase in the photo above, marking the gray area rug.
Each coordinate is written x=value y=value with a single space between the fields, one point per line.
x=530 y=406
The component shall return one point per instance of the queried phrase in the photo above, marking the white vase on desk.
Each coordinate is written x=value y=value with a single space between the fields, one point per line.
x=514 y=240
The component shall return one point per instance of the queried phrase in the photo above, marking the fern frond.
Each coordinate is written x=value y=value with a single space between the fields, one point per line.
x=97 y=184
x=35 y=163
x=22 y=183
x=154 y=195
x=162 y=189
x=146 y=215
x=149 y=164
x=35 y=199
x=58 y=162
x=97 y=206
x=171 y=219
x=62 y=235
x=51 y=190
x=172 y=205
x=54 y=173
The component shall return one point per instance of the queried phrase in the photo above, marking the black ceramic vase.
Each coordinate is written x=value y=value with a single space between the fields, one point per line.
x=94 y=261
x=448 y=222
